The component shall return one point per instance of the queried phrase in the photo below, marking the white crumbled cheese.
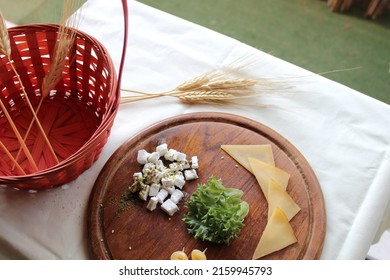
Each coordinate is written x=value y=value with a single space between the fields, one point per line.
x=185 y=164
x=179 y=181
x=152 y=204
x=142 y=156
x=175 y=166
x=154 y=157
x=190 y=174
x=162 y=149
x=156 y=181
x=167 y=182
x=169 y=189
x=194 y=162
x=148 y=167
x=176 y=196
x=169 y=207
x=180 y=156
x=170 y=155
x=143 y=194
x=162 y=195
x=137 y=176
x=159 y=164
x=154 y=189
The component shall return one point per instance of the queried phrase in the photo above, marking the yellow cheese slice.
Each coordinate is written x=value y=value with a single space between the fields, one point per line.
x=278 y=234
x=241 y=153
x=279 y=198
x=264 y=172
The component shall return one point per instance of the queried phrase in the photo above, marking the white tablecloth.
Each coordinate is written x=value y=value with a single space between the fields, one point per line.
x=343 y=134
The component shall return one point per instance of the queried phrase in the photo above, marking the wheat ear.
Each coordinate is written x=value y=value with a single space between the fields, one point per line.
x=225 y=84
x=64 y=42
x=6 y=49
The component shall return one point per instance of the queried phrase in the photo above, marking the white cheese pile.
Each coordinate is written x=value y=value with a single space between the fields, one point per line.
x=160 y=184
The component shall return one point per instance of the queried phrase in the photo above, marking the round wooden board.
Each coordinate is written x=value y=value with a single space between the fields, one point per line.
x=130 y=231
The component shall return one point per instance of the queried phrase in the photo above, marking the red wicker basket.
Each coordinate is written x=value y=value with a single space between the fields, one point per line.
x=77 y=116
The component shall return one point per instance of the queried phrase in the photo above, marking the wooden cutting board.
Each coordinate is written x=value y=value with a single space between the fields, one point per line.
x=119 y=229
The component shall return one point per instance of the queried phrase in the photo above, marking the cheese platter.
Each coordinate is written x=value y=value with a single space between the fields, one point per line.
x=121 y=228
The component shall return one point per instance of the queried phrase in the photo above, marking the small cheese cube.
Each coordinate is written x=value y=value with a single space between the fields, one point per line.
x=185 y=164
x=152 y=204
x=190 y=174
x=154 y=157
x=170 y=155
x=176 y=196
x=169 y=189
x=142 y=156
x=148 y=167
x=169 y=207
x=162 y=195
x=175 y=166
x=167 y=182
x=194 y=162
x=180 y=156
x=143 y=194
x=179 y=181
x=159 y=164
x=162 y=149
x=137 y=176
x=154 y=189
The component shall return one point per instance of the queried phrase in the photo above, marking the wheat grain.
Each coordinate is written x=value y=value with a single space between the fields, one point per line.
x=7 y=51
x=57 y=65
x=65 y=40
x=224 y=84
x=4 y=37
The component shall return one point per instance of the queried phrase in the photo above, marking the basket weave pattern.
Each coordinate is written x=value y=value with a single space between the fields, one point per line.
x=77 y=115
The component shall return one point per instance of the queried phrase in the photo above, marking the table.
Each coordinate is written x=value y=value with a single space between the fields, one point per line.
x=342 y=133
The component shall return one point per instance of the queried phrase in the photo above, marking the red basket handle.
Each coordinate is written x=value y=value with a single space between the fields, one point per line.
x=125 y=15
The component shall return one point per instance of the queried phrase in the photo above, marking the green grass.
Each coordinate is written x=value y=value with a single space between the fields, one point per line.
x=303 y=32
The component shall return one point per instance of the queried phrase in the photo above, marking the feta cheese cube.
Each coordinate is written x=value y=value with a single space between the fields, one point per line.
x=154 y=157
x=169 y=189
x=170 y=155
x=137 y=176
x=162 y=195
x=179 y=181
x=162 y=149
x=142 y=156
x=143 y=194
x=194 y=162
x=190 y=174
x=180 y=156
x=152 y=204
x=169 y=207
x=154 y=189
x=167 y=182
x=159 y=164
x=176 y=196
x=148 y=167
x=185 y=164
x=175 y=166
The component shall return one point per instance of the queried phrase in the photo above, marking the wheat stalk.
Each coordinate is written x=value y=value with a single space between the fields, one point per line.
x=65 y=39
x=7 y=152
x=64 y=42
x=5 y=48
x=226 y=84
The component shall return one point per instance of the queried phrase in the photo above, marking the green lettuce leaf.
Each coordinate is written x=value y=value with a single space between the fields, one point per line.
x=215 y=213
